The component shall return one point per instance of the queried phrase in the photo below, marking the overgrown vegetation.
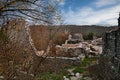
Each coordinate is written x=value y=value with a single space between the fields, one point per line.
x=101 y=70
x=85 y=63
x=60 y=38
x=79 y=70
x=82 y=68
x=56 y=70
x=89 y=36
x=13 y=55
x=41 y=36
x=6 y=55
x=50 y=76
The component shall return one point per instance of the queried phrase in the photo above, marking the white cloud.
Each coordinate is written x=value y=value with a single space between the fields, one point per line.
x=89 y=16
x=102 y=3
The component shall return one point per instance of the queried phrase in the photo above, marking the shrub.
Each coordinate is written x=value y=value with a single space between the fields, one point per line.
x=60 y=38
x=89 y=36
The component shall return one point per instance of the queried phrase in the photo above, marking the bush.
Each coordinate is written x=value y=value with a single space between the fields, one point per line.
x=60 y=38
x=89 y=36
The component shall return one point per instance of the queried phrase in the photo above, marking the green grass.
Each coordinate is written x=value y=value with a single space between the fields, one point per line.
x=79 y=69
x=53 y=76
x=90 y=59
x=50 y=76
x=59 y=76
x=86 y=62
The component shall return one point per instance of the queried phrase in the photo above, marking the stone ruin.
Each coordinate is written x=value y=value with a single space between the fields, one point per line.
x=75 y=46
x=75 y=38
x=72 y=46
x=111 y=55
x=18 y=33
x=111 y=50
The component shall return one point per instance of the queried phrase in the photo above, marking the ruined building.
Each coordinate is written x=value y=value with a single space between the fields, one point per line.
x=18 y=33
x=111 y=50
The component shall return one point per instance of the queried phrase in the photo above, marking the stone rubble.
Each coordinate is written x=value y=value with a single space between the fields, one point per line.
x=75 y=46
x=97 y=41
x=77 y=76
x=73 y=50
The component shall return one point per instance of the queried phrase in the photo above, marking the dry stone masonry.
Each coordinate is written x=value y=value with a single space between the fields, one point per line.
x=18 y=33
x=111 y=50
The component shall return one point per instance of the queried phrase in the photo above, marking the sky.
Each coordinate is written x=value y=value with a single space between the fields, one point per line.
x=90 y=12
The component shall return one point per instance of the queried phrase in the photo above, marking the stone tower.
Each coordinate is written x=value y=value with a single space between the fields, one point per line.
x=119 y=20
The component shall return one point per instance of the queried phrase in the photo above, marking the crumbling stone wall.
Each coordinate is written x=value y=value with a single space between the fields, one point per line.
x=111 y=50
x=18 y=33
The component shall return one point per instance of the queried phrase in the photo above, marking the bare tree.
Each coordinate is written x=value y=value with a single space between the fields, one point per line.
x=40 y=11
x=43 y=11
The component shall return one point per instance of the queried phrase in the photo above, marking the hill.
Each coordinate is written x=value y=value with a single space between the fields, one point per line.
x=84 y=29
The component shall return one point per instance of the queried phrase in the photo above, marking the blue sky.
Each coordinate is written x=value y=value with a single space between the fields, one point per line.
x=90 y=12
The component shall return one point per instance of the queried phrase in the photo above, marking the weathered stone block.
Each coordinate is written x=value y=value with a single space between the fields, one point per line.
x=111 y=49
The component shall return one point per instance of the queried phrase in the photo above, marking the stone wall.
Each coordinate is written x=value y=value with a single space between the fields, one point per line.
x=19 y=36
x=111 y=47
x=111 y=51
